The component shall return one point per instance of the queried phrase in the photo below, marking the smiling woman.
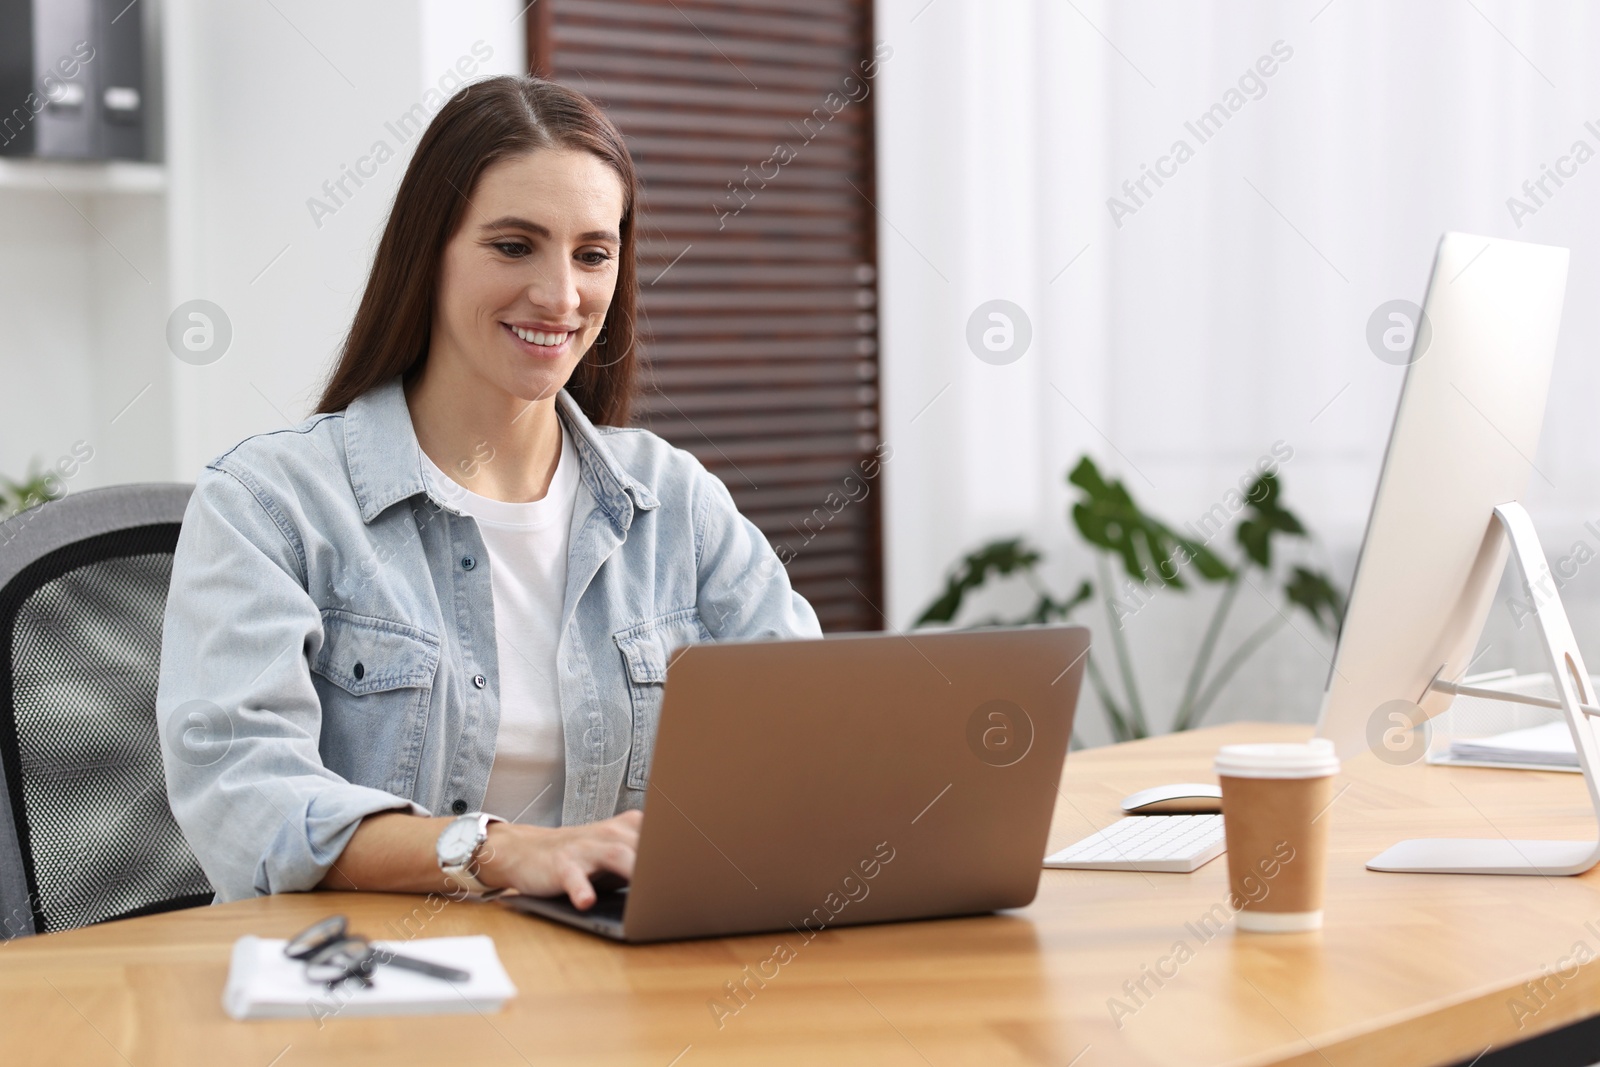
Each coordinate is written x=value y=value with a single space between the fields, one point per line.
x=519 y=304
x=436 y=614
x=582 y=169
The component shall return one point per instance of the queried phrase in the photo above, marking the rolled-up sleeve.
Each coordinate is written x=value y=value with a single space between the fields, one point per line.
x=239 y=716
x=744 y=589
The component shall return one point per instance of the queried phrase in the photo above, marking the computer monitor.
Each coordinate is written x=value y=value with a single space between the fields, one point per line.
x=1463 y=444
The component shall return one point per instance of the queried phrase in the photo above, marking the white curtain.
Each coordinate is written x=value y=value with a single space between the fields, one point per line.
x=1228 y=311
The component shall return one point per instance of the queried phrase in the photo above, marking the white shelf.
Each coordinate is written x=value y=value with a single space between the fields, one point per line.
x=88 y=176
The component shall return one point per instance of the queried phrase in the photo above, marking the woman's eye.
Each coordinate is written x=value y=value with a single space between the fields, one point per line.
x=514 y=249
x=595 y=259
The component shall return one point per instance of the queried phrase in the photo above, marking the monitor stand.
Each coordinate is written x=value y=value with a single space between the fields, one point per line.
x=1501 y=855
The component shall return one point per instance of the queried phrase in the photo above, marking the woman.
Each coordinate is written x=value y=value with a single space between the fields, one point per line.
x=451 y=595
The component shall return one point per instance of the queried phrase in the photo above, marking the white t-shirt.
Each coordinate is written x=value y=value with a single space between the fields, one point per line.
x=527 y=545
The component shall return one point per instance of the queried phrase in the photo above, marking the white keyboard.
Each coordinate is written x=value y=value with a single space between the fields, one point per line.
x=1172 y=843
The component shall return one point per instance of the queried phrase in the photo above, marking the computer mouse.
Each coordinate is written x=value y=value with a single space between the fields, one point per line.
x=1186 y=798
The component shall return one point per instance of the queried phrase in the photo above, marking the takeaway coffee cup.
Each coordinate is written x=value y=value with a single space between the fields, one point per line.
x=1273 y=800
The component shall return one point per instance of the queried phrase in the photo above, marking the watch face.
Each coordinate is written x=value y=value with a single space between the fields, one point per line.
x=457 y=842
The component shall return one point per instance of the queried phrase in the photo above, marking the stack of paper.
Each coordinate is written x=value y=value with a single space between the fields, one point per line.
x=1549 y=745
x=263 y=983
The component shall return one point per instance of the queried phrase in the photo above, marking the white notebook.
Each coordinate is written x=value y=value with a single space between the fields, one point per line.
x=1547 y=745
x=1479 y=732
x=263 y=983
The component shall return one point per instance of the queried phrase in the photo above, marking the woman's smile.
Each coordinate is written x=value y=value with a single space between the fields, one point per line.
x=547 y=341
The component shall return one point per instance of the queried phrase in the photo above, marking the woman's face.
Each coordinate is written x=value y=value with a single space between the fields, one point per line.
x=528 y=275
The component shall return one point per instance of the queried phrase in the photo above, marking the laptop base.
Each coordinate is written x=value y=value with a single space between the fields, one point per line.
x=604 y=917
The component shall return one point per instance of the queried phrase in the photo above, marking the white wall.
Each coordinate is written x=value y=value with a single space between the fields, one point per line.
x=1175 y=349
x=82 y=285
x=269 y=102
x=1227 y=313
x=263 y=104
x=44 y=262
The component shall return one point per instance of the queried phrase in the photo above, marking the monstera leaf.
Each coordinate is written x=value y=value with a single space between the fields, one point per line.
x=1265 y=517
x=1152 y=554
x=1049 y=609
x=998 y=557
x=1318 y=596
x=1150 y=550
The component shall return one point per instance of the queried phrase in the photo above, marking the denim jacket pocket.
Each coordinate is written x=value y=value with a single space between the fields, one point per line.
x=374 y=678
x=646 y=650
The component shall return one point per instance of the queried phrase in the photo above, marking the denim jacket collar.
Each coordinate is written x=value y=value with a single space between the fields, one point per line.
x=386 y=461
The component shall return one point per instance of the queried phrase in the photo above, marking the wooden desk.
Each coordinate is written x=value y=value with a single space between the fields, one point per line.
x=1410 y=969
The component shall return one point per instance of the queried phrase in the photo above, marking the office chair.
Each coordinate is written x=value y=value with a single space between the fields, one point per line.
x=86 y=834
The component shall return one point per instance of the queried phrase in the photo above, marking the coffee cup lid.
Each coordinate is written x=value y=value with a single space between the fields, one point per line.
x=1314 y=759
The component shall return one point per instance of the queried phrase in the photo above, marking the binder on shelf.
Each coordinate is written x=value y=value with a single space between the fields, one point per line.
x=71 y=79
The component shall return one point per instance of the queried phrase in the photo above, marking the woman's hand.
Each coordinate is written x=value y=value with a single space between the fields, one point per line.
x=542 y=862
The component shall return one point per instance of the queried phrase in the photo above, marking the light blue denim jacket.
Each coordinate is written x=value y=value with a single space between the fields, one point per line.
x=329 y=646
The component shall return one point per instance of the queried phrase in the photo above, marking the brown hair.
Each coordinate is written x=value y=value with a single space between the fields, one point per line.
x=483 y=123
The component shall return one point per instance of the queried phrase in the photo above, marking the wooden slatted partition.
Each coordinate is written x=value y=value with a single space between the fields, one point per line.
x=751 y=125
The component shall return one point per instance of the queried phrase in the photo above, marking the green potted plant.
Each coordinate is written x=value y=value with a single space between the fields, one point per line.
x=39 y=486
x=1154 y=557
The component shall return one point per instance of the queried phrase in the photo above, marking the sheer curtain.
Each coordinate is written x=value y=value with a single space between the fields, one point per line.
x=1184 y=324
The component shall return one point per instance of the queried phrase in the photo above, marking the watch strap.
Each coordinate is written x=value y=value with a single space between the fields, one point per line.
x=463 y=873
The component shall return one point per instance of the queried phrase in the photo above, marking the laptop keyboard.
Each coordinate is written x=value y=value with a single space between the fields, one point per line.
x=609 y=905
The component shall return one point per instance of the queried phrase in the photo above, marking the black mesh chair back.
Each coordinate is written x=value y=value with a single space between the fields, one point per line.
x=86 y=834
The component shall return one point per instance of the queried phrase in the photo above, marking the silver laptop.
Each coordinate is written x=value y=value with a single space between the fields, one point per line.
x=857 y=779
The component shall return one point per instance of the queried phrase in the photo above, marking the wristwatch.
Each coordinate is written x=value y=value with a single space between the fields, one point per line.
x=458 y=848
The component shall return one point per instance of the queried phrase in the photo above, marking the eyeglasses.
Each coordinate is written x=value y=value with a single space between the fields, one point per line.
x=333 y=956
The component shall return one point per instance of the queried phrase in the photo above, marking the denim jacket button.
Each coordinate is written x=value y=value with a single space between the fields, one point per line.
x=459 y=807
x=359 y=670
x=467 y=563
x=479 y=681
